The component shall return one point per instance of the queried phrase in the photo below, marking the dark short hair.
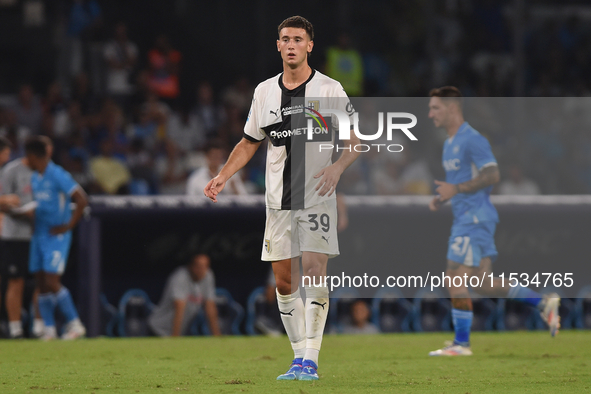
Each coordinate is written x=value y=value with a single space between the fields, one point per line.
x=4 y=143
x=447 y=93
x=36 y=146
x=298 y=22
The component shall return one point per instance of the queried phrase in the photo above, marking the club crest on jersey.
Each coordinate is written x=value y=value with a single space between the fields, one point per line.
x=314 y=104
x=456 y=149
x=268 y=245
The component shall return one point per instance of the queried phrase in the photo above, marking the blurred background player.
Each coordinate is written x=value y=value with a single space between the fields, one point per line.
x=53 y=190
x=188 y=289
x=472 y=249
x=360 y=323
x=214 y=159
x=16 y=238
x=301 y=212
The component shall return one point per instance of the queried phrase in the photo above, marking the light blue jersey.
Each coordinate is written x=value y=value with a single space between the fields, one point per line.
x=464 y=155
x=52 y=192
x=475 y=218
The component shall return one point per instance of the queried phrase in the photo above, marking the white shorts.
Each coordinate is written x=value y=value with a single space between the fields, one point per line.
x=289 y=233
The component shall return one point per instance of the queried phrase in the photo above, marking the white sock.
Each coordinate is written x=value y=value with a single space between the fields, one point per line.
x=317 y=302
x=38 y=327
x=50 y=332
x=293 y=317
x=15 y=328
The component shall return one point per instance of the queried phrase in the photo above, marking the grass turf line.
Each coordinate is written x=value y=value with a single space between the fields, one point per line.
x=511 y=362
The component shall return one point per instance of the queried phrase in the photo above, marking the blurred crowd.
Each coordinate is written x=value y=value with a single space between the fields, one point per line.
x=141 y=130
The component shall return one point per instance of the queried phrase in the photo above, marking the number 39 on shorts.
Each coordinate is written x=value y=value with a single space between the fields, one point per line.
x=324 y=222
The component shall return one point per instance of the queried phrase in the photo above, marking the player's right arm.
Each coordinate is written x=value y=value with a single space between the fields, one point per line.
x=241 y=154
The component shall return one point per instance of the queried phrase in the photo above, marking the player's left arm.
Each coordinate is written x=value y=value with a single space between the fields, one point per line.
x=81 y=200
x=480 y=153
x=209 y=305
x=329 y=176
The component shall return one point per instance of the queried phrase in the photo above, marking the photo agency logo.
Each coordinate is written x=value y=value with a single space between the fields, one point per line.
x=317 y=124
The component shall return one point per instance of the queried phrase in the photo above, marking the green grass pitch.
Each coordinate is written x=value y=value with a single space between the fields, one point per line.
x=516 y=362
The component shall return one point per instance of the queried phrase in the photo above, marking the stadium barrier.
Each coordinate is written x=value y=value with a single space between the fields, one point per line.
x=136 y=241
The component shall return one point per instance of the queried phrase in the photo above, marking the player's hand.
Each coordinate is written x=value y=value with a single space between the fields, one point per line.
x=435 y=203
x=446 y=190
x=329 y=177
x=214 y=187
x=10 y=201
x=56 y=230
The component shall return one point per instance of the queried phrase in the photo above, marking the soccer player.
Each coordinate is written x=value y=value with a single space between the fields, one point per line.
x=53 y=190
x=188 y=289
x=300 y=184
x=16 y=236
x=471 y=170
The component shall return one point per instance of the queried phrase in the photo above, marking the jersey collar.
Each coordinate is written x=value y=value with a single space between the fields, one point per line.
x=293 y=91
x=462 y=129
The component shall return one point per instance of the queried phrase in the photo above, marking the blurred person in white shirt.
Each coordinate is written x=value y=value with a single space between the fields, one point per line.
x=215 y=156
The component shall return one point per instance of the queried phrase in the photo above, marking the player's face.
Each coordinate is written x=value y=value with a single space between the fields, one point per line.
x=294 y=45
x=34 y=162
x=438 y=111
x=199 y=267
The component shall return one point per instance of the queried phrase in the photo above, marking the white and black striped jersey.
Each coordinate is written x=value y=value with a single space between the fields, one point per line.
x=292 y=159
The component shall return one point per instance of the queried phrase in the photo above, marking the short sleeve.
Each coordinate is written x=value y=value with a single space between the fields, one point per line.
x=480 y=152
x=342 y=102
x=209 y=286
x=181 y=285
x=65 y=182
x=252 y=128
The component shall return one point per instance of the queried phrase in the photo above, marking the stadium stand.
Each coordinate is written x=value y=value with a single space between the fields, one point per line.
x=134 y=308
x=391 y=312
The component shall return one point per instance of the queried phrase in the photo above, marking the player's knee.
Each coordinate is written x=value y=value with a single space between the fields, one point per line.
x=284 y=286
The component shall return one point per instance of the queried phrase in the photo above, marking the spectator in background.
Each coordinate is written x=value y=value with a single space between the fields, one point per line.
x=239 y=95
x=518 y=184
x=210 y=114
x=185 y=131
x=111 y=175
x=84 y=17
x=360 y=323
x=141 y=164
x=164 y=69
x=188 y=289
x=345 y=64
x=82 y=94
x=215 y=158
x=120 y=56
x=14 y=132
x=28 y=109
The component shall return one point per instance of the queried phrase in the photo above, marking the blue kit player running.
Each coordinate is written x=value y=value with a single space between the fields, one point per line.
x=53 y=190
x=471 y=171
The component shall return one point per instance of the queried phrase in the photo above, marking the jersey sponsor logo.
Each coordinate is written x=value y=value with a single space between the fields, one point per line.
x=349 y=108
x=292 y=110
x=299 y=131
x=268 y=245
x=42 y=196
x=451 y=164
